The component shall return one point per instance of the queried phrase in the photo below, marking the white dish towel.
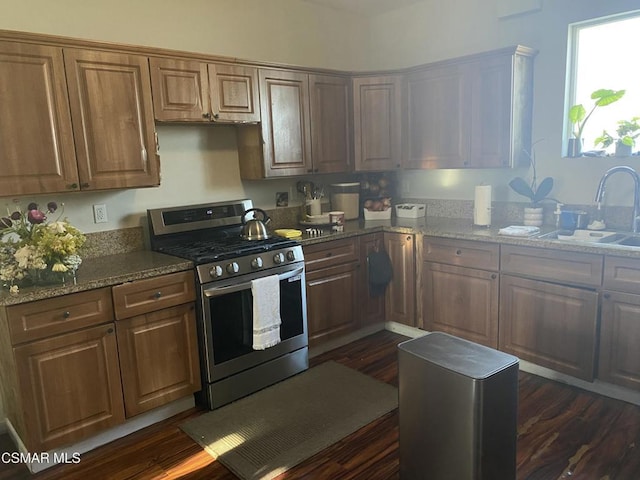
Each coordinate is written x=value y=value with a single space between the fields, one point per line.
x=266 y=312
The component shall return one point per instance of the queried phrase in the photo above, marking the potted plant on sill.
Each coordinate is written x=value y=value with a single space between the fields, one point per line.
x=628 y=131
x=533 y=214
x=578 y=116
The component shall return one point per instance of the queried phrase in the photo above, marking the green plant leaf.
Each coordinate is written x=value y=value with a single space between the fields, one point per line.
x=520 y=186
x=543 y=190
x=607 y=97
x=577 y=113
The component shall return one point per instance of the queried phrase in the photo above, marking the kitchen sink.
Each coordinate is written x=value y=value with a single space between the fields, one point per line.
x=625 y=239
x=630 y=241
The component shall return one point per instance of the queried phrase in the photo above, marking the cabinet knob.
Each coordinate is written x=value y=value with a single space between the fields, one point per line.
x=607 y=296
x=157 y=295
x=408 y=238
x=216 y=116
x=73 y=186
x=66 y=314
x=458 y=252
x=493 y=276
x=84 y=185
x=110 y=330
x=206 y=115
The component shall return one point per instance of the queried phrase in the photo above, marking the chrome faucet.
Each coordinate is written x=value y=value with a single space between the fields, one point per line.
x=635 y=221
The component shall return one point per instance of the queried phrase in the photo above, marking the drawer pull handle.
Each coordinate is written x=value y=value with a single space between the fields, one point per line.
x=458 y=252
x=66 y=314
x=157 y=295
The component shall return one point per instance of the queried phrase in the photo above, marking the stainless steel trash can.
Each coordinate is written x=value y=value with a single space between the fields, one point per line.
x=458 y=406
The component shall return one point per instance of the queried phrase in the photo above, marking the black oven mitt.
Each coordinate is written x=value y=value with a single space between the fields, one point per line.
x=380 y=272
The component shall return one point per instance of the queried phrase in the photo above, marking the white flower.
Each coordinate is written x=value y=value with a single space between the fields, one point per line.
x=58 y=227
x=59 y=267
x=14 y=290
x=29 y=257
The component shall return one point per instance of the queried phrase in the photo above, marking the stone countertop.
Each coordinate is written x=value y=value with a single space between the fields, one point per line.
x=103 y=272
x=463 y=229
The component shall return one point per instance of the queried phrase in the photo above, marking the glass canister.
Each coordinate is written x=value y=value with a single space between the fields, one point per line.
x=345 y=197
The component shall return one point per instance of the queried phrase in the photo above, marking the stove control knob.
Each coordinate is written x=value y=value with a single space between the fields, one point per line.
x=216 y=271
x=278 y=258
x=291 y=255
x=233 y=267
x=256 y=263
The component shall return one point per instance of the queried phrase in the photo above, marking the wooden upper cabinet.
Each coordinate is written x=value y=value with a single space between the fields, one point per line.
x=112 y=113
x=377 y=118
x=330 y=123
x=281 y=145
x=36 y=140
x=193 y=91
x=471 y=112
x=437 y=121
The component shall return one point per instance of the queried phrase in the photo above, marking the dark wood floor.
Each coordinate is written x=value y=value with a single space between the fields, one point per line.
x=563 y=433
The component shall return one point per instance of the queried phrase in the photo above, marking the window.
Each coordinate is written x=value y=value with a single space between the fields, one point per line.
x=603 y=56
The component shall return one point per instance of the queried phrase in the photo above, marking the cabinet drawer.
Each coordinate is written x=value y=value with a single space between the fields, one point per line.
x=464 y=253
x=144 y=296
x=328 y=254
x=553 y=265
x=622 y=274
x=44 y=318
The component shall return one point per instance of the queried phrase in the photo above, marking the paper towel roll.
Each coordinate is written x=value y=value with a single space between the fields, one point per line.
x=482 y=206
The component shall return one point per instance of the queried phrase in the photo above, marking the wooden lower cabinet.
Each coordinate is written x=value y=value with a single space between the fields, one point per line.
x=332 y=279
x=461 y=301
x=619 y=339
x=158 y=357
x=70 y=386
x=551 y=325
x=371 y=304
x=400 y=298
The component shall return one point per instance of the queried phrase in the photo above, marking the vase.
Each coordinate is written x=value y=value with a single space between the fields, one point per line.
x=574 y=147
x=533 y=216
x=47 y=276
x=623 y=150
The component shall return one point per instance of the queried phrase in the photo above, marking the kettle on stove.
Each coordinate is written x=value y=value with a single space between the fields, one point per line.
x=255 y=229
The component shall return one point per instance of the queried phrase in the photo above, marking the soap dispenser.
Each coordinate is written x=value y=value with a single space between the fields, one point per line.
x=558 y=213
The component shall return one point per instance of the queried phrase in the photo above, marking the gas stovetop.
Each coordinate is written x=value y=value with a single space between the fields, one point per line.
x=209 y=236
x=206 y=251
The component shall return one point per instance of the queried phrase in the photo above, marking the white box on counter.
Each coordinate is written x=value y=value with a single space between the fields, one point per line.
x=411 y=210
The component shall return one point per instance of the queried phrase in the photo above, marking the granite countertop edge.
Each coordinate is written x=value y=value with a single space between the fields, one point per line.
x=112 y=270
x=101 y=272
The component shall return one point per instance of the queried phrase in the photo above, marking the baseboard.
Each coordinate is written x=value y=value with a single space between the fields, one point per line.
x=72 y=453
x=314 y=351
x=405 y=330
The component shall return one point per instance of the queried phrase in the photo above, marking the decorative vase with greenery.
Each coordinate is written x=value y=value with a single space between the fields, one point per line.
x=578 y=116
x=534 y=192
x=628 y=131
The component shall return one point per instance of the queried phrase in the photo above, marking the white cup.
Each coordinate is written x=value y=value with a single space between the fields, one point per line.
x=314 y=207
x=337 y=220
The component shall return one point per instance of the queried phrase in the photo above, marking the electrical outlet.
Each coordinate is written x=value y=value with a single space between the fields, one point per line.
x=100 y=213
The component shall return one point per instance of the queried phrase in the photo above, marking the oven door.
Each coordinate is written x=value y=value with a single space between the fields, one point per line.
x=228 y=322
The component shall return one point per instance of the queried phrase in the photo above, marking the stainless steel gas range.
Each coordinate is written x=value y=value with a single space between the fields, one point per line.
x=226 y=265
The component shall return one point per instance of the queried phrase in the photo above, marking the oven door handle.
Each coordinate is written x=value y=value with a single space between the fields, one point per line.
x=216 y=291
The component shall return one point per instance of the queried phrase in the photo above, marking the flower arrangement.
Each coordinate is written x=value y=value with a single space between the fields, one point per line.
x=32 y=246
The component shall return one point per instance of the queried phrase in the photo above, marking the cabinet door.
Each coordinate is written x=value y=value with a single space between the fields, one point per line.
x=70 y=386
x=438 y=122
x=158 y=358
x=286 y=135
x=112 y=113
x=549 y=324
x=400 y=296
x=36 y=138
x=371 y=307
x=619 y=360
x=377 y=122
x=490 y=112
x=331 y=302
x=461 y=301
x=330 y=132
x=233 y=90
x=180 y=90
